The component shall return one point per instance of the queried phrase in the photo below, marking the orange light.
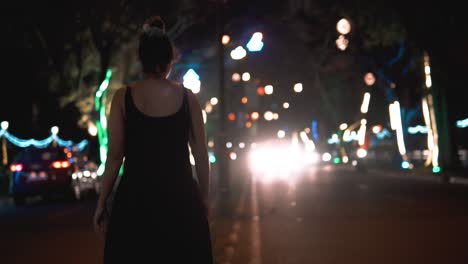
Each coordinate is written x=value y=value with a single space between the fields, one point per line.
x=236 y=77
x=377 y=129
x=248 y=124
x=225 y=39
x=57 y=164
x=261 y=91
x=232 y=116
x=65 y=164
x=233 y=156
x=69 y=155
x=255 y=116
x=16 y=167
x=244 y=100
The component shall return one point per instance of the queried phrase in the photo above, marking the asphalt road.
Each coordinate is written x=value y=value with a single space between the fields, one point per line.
x=326 y=215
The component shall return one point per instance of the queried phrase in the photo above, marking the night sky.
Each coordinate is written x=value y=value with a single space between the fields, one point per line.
x=32 y=108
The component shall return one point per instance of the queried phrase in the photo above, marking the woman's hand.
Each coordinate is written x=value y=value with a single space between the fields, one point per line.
x=100 y=221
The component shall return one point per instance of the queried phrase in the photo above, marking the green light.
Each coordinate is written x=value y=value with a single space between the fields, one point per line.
x=336 y=160
x=212 y=159
x=103 y=86
x=436 y=169
x=108 y=74
x=100 y=104
x=100 y=170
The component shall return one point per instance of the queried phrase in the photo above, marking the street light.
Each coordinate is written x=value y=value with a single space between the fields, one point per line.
x=281 y=134
x=236 y=77
x=268 y=115
x=211 y=143
x=369 y=79
x=298 y=87
x=225 y=39
x=214 y=101
x=268 y=89
x=343 y=26
x=255 y=116
x=208 y=107
x=54 y=130
x=246 y=76
x=4 y=125
x=285 y=105
x=342 y=42
x=238 y=53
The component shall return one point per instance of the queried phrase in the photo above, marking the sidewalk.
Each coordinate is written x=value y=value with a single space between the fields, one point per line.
x=453 y=177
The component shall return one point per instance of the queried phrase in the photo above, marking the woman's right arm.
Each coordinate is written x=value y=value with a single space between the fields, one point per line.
x=114 y=157
x=198 y=146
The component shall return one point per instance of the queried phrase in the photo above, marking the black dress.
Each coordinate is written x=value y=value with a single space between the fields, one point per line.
x=157 y=213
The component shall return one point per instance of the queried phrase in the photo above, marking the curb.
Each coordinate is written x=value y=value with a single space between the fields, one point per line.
x=432 y=178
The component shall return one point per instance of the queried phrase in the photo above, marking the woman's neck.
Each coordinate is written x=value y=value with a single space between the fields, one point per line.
x=155 y=76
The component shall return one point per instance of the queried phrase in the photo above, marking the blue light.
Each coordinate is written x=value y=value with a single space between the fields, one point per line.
x=82 y=144
x=384 y=133
x=315 y=130
x=254 y=46
x=69 y=143
x=24 y=143
x=191 y=75
x=417 y=129
x=255 y=43
x=212 y=159
x=405 y=165
x=462 y=123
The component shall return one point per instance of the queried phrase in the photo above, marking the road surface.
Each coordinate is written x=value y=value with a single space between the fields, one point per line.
x=326 y=215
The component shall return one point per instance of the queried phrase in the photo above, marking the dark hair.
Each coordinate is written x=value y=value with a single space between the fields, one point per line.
x=155 y=51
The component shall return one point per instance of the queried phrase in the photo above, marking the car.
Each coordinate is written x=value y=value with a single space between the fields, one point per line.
x=43 y=172
x=84 y=176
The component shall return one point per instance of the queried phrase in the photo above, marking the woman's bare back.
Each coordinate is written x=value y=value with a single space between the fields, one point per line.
x=157 y=98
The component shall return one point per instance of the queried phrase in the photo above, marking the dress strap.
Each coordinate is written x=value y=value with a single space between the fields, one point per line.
x=187 y=111
x=128 y=100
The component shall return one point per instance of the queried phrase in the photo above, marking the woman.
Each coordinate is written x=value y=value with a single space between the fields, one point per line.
x=159 y=211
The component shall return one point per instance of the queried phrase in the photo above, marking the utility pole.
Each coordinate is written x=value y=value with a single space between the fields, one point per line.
x=223 y=166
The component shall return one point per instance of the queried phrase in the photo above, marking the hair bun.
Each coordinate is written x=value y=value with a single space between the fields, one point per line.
x=155 y=22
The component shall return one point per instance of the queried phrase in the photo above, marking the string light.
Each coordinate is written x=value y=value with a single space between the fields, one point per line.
x=101 y=123
x=44 y=143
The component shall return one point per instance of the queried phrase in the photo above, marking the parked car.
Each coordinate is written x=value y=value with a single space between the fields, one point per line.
x=44 y=172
